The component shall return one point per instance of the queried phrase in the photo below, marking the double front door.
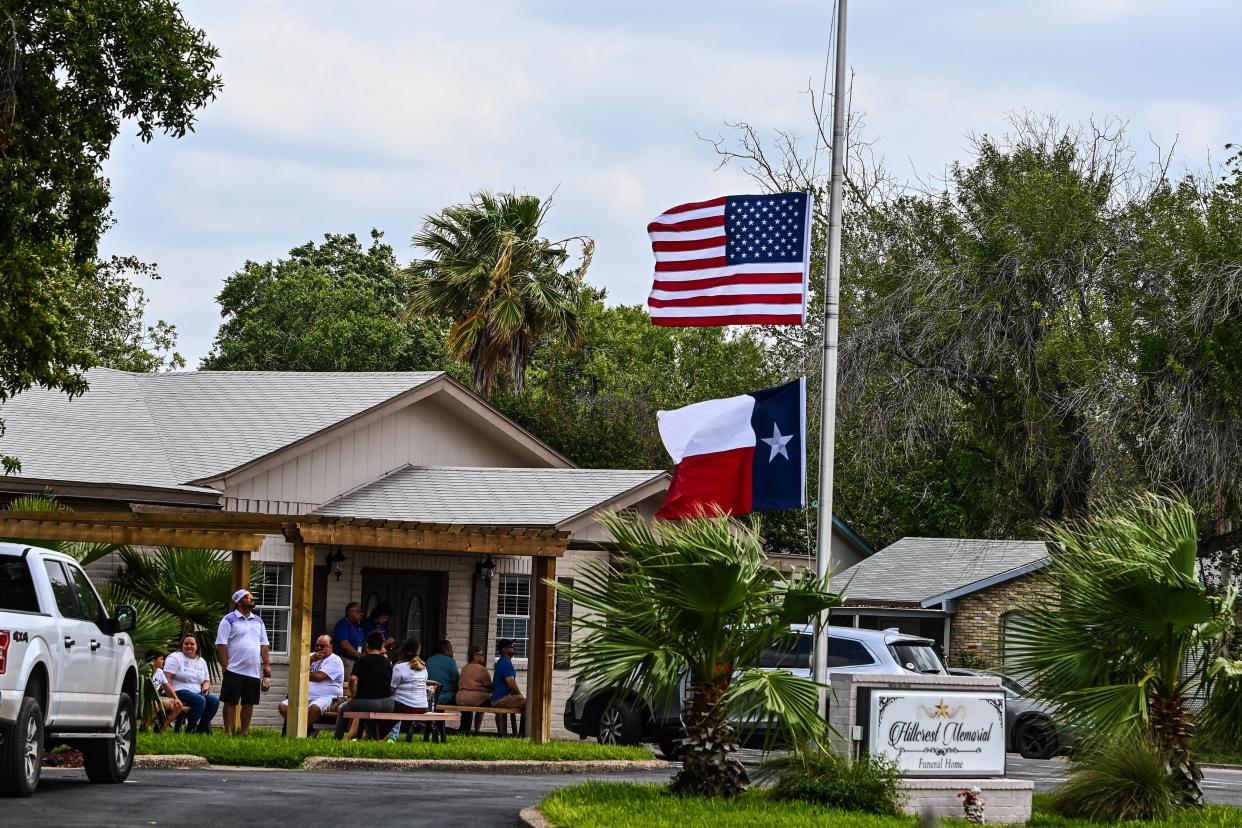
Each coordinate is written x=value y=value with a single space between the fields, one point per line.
x=415 y=598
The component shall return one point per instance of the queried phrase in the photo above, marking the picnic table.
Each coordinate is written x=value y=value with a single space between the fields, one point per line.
x=513 y=713
x=434 y=732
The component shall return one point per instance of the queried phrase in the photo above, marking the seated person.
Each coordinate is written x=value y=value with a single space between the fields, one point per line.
x=190 y=677
x=370 y=688
x=327 y=674
x=410 y=686
x=442 y=669
x=505 y=691
x=170 y=706
x=474 y=687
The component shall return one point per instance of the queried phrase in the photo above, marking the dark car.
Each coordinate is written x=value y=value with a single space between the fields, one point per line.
x=1032 y=727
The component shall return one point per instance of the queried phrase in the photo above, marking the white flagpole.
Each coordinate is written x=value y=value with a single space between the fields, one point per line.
x=828 y=413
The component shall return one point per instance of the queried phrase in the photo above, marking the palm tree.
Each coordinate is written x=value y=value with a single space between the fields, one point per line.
x=695 y=600
x=191 y=586
x=1128 y=640
x=84 y=553
x=501 y=283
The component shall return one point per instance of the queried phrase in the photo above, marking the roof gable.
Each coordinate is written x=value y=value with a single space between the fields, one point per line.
x=186 y=431
x=913 y=570
x=543 y=498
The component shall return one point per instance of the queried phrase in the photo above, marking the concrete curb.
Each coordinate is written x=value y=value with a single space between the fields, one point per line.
x=510 y=766
x=532 y=818
x=180 y=761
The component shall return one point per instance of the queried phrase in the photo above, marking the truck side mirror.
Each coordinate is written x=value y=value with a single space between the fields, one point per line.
x=126 y=617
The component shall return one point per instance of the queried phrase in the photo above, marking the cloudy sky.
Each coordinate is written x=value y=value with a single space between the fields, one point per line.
x=340 y=117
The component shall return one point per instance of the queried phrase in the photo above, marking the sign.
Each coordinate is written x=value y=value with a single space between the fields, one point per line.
x=939 y=732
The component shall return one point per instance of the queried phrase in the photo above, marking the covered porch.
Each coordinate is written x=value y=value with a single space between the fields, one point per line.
x=242 y=533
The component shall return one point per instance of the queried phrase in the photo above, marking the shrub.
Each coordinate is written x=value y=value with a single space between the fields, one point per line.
x=1126 y=778
x=869 y=784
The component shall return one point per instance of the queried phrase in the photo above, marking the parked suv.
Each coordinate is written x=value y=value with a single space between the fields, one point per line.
x=67 y=670
x=621 y=717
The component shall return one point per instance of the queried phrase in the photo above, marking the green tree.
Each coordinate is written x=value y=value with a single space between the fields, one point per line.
x=598 y=403
x=500 y=282
x=695 y=600
x=329 y=307
x=71 y=72
x=1128 y=636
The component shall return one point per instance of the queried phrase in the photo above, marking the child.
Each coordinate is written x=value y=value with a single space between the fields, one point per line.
x=172 y=706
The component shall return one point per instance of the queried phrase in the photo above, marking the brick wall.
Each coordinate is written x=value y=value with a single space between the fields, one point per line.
x=975 y=637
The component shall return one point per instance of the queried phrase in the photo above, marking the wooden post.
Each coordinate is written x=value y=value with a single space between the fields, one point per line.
x=539 y=653
x=299 y=639
x=241 y=580
x=241 y=569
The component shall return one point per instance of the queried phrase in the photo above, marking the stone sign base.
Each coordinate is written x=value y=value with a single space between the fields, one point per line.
x=1005 y=801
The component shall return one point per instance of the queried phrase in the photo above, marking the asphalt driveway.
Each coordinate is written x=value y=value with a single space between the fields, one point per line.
x=267 y=798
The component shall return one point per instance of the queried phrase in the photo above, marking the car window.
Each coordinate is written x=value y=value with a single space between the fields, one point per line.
x=88 y=601
x=918 y=658
x=1013 y=686
x=17 y=590
x=845 y=652
x=66 y=595
x=790 y=654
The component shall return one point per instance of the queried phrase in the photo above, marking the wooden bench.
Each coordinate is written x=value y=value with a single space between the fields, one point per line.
x=435 y=732
x=512 y=712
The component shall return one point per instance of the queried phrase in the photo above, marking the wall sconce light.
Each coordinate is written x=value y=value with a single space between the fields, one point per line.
x=335 y=558
x=486 y=568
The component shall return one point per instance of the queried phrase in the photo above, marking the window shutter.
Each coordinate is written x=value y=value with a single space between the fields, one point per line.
x=563 y=629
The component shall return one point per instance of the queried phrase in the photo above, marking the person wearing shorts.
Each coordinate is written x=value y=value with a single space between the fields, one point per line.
x=327 y=674
x=241 y=641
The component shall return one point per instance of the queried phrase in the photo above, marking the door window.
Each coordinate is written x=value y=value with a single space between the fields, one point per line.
x=845 y=652
x=414 y=621
x=789 y=654
x=88 y=602
x=66 y=595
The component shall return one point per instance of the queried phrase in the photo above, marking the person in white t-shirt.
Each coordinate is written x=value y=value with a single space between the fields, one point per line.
x=245 y=658
x=190 y=677
x=327 y=675
x=163 y=690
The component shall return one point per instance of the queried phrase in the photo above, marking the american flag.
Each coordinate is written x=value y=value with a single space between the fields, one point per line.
x=736 y=260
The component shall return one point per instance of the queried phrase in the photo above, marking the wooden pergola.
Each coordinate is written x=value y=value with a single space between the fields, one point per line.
x=243 y=532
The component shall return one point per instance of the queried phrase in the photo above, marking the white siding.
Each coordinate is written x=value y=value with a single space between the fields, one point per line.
x=429 y=432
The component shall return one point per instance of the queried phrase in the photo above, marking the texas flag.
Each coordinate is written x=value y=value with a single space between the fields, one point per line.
x=737 y=455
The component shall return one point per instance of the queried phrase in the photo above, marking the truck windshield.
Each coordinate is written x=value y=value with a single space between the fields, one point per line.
x=16 y=587
x=915 y=657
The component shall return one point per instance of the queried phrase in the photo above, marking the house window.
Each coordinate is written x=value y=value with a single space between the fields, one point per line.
x=274 y=603
x=513 y=611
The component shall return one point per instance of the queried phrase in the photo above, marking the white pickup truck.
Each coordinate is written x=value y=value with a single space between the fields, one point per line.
x=67 y=670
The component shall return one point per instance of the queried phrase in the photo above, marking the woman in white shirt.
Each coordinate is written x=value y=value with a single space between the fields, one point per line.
x=190 y=677
x=410 y=686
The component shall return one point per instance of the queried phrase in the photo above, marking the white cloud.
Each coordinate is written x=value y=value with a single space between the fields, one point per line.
x=338 y=118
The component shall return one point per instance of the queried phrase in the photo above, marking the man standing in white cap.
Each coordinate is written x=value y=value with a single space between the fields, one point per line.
x=242 y=643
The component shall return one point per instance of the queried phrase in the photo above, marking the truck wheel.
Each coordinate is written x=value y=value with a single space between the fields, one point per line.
x=21 y=756
x=619 y=724
x=109 y=760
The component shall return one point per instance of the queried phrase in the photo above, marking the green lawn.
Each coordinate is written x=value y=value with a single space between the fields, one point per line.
x=266 y=748
x=627 y=805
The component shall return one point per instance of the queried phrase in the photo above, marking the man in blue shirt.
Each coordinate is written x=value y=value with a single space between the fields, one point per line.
x=348 y=637
x=505 y=691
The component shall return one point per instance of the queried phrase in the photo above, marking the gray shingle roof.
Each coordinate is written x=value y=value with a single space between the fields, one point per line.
x=166 y=430
x=915 y=569
x=487 y=496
